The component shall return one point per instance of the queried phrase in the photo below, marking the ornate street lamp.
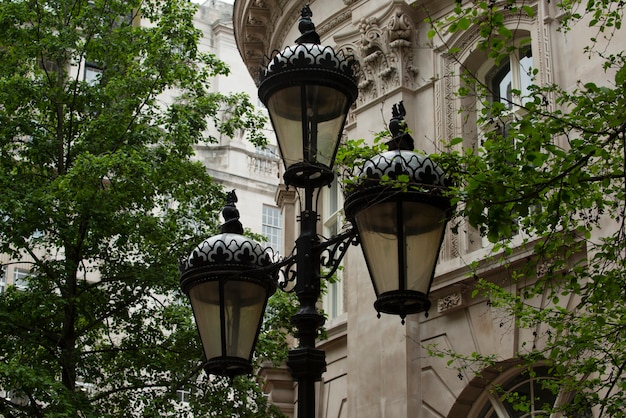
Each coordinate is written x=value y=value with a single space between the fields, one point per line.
x=228 y=284
x=308 y=91
x=400 y=211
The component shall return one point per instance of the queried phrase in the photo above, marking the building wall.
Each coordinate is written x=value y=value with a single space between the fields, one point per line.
x=380 y=368
x=236 y=163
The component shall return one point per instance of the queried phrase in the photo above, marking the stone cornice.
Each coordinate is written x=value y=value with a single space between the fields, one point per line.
x=385 y=42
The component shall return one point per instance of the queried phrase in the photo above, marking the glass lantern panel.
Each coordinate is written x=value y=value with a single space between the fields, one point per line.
x=243 y=310
x=423 y=226
x=324 y=117
x=244 y=304
x=205 y=301
x=326 y=111
x=379 y=241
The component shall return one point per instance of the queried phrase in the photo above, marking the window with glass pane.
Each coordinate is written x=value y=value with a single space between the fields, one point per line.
x=273 y=228
x=20 y=278
x=92 y=73
x=512 y=75
x=332 y=300
x=509 y=84
x=3 y=279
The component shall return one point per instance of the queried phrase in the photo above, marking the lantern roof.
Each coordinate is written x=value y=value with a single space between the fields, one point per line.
x=309 y=60
x=400 y=168
x=228 y=251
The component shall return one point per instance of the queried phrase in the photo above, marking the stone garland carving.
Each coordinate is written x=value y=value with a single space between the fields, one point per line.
x=386 y=54
x=450 y=301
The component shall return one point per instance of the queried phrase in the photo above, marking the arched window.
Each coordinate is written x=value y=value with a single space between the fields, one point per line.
x=527 y=389
x=513 y=74
x=514 y=393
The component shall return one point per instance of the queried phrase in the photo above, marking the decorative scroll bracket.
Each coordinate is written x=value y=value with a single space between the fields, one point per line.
x=331 y=252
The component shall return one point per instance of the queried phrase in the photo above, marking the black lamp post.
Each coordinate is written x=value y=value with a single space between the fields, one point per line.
x=308 y=90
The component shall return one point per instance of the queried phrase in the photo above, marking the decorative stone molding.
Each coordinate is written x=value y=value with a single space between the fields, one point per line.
x=450 y=246
x=386 y=49
x=262 y=165
x=285 y=196
x=333 y=23
x=277 y=383
x=453 y=300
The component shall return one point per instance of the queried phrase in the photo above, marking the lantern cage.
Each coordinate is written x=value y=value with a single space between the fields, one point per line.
x=308 y=91
x=229 y=279
x=399 y=208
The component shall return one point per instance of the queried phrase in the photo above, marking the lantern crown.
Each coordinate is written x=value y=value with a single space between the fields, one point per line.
x=400 y=167
x=308 y=54
x=226 y=251
x=308 y=90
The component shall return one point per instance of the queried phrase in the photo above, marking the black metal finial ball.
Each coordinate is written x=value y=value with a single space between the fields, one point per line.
x=231 y=215
x=307 y=28
x=400 y=139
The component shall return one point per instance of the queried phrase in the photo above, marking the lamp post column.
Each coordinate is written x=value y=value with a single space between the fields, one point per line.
x=306 y=362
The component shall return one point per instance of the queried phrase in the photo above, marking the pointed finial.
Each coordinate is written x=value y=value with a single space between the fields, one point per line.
x=307 y=28
x=231 y=215
x=400 y=139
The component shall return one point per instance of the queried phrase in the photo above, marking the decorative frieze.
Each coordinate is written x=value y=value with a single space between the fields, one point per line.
x=453 y=300
x=386 y=50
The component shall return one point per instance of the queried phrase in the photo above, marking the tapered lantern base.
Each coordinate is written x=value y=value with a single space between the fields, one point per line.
x=308 y=175
x=402 y=302
x=228 y=366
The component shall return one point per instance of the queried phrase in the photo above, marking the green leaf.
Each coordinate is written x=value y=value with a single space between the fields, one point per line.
x=530 y=11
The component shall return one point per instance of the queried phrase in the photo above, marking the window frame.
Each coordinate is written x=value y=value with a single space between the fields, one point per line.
x=18 y=278
x=3 y=279
x=90 y=67
x=486 y=74
x=273 y=231
x=333 y=301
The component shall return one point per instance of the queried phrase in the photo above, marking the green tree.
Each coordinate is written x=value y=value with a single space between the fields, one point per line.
x=556 y=176
x=98 y=192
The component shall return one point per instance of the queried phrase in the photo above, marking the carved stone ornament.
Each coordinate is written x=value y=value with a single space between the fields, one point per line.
x=450 y=301
x=386 y=52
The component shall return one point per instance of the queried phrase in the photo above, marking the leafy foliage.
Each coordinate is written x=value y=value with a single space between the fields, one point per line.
x=100 y=197
x=555 y=176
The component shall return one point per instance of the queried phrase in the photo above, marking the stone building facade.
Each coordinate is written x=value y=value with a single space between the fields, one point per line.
x=377 y=367
x=235 y=163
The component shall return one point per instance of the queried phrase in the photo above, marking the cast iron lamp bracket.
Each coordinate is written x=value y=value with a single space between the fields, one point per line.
x=330 y=250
